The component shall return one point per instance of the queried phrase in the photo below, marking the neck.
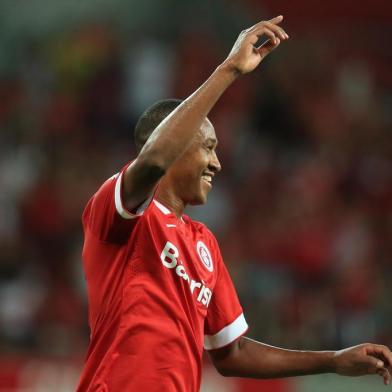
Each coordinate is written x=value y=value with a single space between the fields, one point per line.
x=170 y=200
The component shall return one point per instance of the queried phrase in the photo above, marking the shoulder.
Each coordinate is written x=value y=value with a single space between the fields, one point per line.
x=196 y=225
x=102 y=192
x=106 y=187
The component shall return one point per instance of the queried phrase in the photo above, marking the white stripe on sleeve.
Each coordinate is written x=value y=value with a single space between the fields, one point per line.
x=119 y=203
x=227 y=334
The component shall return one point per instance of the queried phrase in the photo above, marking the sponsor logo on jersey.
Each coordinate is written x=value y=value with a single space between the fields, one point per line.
x=170 y=259
x=205 y=255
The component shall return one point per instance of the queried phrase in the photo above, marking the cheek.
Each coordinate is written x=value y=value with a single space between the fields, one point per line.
x=189 y=168
x=196 y=164
x=203 y=160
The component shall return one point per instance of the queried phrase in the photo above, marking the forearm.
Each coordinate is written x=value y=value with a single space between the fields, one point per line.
x=173 y=136
x=252 y=359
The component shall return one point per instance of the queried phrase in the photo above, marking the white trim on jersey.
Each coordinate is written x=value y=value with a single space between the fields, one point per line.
x=227 y=334
x=165 y=210
x=124 y=213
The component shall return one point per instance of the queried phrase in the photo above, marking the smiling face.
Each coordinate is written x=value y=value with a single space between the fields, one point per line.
x=191 y=176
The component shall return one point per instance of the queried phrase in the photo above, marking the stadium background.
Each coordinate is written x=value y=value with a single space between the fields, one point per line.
x=302 y=210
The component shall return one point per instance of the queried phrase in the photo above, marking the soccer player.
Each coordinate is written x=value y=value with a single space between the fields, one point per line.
x=159 y=292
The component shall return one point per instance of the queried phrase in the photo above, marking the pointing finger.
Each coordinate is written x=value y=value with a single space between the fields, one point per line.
x=387 y=377
x=385 y=374
x=273 y=21
x=277 y=19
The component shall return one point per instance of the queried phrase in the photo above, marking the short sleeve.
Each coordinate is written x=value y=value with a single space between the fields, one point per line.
x=225 y=320
x=106 y=216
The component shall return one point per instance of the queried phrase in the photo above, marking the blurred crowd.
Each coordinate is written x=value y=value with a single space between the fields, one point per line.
x=302 y=209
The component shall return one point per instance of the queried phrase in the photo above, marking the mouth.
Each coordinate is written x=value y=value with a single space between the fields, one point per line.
x=207 y=178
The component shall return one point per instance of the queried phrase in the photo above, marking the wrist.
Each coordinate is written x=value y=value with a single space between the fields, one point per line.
x=228 y=70
x=330 y=365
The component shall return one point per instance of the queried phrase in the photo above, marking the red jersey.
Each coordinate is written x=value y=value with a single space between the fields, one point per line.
x=158 y=294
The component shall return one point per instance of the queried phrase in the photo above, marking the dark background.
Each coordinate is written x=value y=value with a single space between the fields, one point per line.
x=302 y=208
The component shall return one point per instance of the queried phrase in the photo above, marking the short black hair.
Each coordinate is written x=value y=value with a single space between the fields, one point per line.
x=151 y=118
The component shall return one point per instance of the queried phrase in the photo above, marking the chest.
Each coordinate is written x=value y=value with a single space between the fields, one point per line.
x=182 y=257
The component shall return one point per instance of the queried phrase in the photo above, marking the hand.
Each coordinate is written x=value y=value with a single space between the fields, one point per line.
x=364 y=359
x=245 y=56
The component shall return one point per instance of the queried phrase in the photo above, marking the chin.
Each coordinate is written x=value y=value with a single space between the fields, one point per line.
x=199 y=200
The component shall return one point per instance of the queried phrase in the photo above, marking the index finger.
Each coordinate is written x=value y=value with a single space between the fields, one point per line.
x=277 y=19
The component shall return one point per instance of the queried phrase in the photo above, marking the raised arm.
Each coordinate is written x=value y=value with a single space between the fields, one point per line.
x=173 y=136
x=248 y=358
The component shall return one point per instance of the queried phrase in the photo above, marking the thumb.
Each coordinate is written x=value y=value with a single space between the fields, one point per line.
x=374 y=364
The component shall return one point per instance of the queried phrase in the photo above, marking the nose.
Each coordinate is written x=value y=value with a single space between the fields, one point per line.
x=214 y=164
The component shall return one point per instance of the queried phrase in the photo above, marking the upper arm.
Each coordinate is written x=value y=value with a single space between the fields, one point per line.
x=107 y=216
x=139 y=181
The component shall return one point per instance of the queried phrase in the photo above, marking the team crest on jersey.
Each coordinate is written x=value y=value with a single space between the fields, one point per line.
x=205 y=255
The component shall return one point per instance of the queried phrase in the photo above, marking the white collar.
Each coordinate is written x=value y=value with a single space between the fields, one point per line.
x=165 y=210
